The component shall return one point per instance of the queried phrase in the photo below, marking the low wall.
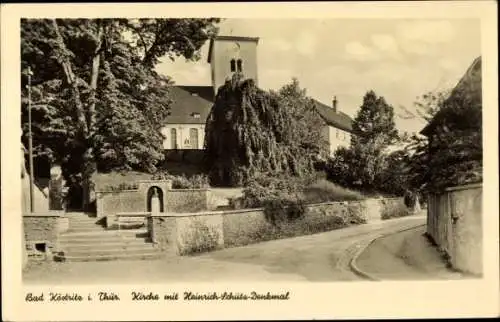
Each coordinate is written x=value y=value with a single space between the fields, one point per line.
x=41 y=232
x=185 y=233
x=454 y=222
x=186 y=200
x=173 y=200
x=110 y=202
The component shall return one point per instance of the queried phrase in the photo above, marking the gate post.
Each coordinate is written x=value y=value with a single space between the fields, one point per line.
x=155 y=211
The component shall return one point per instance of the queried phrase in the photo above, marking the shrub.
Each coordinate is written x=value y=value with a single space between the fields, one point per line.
x=283 y=198
x=395 y=210
x=355 y=213
x=197 y=181
x=324 y=191
x=283 y=210
x=280 y=197
x=200 y=238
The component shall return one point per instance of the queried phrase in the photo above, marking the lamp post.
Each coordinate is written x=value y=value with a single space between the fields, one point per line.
x=30 y=145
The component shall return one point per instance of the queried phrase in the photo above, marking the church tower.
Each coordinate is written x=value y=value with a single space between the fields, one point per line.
x=230 y=54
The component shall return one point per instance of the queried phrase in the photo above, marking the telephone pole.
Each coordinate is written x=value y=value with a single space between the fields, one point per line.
x=30 y=145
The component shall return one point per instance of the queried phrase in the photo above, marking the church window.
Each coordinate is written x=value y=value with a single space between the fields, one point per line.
x=173 y=139
x=240 y=65
x=233 y=65
x=193 y=137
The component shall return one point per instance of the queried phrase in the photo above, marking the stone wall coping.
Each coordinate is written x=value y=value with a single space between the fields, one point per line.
x=191 y=189
x=136 y=190
x=116 y=191
x=465 y=187
x=153 y=181
x=54 y=213
x=237 y=211
x=206 y=213
x=133 y=214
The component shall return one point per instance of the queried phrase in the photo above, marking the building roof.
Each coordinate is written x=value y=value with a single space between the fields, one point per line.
x=470 y=83
x=188 y=101
x=333 y=118
x=230 y=38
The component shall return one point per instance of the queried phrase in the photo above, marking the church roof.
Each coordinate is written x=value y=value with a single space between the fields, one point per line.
x=333 y=118
x=190 y=104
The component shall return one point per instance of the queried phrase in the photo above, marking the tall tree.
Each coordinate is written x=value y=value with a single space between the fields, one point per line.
x=375 y=121
x=251 y=133
x=98 y=101
x=361 y=166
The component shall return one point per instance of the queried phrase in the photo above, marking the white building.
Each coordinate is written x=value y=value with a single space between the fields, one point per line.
x=185 y=127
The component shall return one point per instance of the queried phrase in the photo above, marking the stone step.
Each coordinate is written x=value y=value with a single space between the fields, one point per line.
x=115 y=257
x=103 y=234
x=84 y=224
x=129 y=250
x=83 y=218
x=83 y=221
x=106 y=243
x=86 y=229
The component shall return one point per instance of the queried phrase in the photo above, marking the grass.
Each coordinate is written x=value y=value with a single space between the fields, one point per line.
x=326 y=191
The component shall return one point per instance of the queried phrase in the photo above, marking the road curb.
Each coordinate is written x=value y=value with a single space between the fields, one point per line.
x=358 y=271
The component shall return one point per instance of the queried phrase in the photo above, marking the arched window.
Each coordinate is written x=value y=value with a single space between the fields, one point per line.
x=173 y=139
x=233 y=65
x=193 y=137
x=240 y=65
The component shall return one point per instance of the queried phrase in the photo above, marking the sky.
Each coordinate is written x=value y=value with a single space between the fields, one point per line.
x=399 y=59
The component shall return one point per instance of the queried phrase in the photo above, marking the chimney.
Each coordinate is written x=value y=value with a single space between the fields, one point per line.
x=334 y=104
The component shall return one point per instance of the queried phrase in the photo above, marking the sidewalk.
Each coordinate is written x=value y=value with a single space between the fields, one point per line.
x=406 y=255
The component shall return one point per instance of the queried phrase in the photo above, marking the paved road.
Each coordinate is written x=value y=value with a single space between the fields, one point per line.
x=407 y=255
x=321 y=257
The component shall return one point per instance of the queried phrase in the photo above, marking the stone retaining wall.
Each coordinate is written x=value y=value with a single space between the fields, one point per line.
x=172 y=200
x=185 y=233
x=454 y=222
x=41 y=232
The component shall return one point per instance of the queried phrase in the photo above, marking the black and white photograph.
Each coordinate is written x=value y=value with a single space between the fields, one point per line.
x=165 y=149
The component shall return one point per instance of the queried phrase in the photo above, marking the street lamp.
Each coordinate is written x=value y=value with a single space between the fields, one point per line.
x=30 y=145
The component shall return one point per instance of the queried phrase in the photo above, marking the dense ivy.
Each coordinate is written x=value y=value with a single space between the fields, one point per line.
x=251 y=132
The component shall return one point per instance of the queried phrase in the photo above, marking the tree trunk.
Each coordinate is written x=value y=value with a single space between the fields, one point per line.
x=89 y=164
x=85 y=117
x=63 y=59
x=88 y=170
x=94 y=75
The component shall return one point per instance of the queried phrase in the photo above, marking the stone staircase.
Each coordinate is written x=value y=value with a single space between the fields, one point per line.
x=88 y=240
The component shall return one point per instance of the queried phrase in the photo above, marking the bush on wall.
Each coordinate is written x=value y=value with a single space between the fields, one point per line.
x=395 y=210
x=199 y=238
x=280 y=197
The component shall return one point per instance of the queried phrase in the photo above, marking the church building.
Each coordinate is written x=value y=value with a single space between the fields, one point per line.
x=185 y=127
